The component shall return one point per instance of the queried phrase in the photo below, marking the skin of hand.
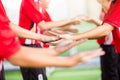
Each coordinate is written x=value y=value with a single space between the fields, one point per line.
x=54 y=43
x=76 y=20
x=81 y=18
x=47 y=39
x=67 y=44
x=90 y=19
x=56 y=32
x=63 y=36
x=69 y=29
x=84 y=17
x=87 y=55
x=49 y=32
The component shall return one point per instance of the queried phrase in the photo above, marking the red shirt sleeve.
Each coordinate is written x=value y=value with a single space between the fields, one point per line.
x=32 y=10
x=9 y=44
x=113 y=18
x=113 y=15
x=3 y=17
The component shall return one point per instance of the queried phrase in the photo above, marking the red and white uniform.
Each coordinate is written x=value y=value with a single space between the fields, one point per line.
x=31 y=13
x=9 y=44
x=46 y=18
x=109 y=40
x=113 y=18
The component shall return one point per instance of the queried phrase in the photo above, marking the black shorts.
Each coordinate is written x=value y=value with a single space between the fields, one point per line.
x=33 y=73
x=119 y=65
x=2 y=74
x=109 y=63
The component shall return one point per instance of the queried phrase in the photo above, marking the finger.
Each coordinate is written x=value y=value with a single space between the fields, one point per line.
x=65 y=43
x=81 y=41
x=92 y=54
x=53 y=33
x=74 y=43
x=50 y=39
x=65 y=36
x=96 y=52
x=54 y=43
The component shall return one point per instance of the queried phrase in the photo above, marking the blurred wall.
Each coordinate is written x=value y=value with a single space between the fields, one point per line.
x=76 y=7
x=58 y=9
x=12 y=9
x=93 y=8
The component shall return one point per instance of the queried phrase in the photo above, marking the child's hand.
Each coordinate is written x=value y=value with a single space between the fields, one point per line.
x=47 y=39
x=67 y=44
x=85 y=18
x=88 y=55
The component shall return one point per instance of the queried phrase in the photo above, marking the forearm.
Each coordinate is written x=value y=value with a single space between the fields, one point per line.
x=25 y=33
x=53 y=24
x=97 y=32
x=27 y=57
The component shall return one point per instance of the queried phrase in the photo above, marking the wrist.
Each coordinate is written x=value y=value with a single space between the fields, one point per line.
x=73 y=60
x=56 y=51
x=40 y=37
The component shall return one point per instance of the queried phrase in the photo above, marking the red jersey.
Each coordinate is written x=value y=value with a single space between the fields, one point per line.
x=109 y=40
x=113 y=18
x=46 y=18
x=30 y=16
x=9 y=44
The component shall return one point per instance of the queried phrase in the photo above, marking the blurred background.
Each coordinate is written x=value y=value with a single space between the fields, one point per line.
x=62 y=9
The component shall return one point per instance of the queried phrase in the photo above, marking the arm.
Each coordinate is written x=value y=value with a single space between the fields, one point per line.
x=21 y=32
x=30 y=57
x=97 y=32
x=48 y=25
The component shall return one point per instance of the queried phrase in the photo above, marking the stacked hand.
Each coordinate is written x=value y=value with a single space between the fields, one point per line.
x=47 y=39
x=55 y=37
x=63 y=36
x=71 y=29
x=67 y=44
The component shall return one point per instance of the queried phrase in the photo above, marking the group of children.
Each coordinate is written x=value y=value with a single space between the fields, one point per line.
x=35 y=31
